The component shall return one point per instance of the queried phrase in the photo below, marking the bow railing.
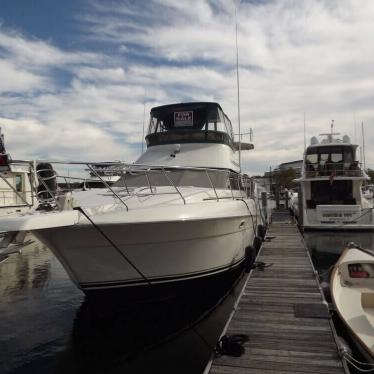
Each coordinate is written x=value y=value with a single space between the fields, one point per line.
x=327 y=169
x=135 y=180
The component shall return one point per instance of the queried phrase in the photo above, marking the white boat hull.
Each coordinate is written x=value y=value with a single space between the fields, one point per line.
x=163 y=252
x=354 y=299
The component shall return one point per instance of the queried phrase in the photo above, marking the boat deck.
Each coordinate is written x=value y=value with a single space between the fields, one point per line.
x=282 y=310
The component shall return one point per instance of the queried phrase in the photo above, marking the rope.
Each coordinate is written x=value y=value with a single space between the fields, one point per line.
x=357 y=367
x=113 y=245
x=189 y=327
x=261 y=266
x=346 y=354
x=231 y=345
x=326 y=271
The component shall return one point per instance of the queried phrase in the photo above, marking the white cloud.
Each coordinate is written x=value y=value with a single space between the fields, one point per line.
x=15 y=80
x=296 y=56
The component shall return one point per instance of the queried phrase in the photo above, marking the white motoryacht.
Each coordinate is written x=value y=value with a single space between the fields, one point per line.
x=101 y=175
x=17 y=184
x=331 y=186
x=179 y=218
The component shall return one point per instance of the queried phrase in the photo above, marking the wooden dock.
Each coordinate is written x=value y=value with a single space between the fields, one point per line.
x=282 y=310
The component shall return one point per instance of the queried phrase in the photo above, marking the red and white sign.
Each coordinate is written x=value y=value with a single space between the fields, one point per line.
x=183 y=119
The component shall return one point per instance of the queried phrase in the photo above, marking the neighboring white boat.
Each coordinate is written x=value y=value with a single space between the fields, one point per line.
x=367 y=192
x=293 y=202
x=352 y=291
x=101 y=175
x=17 y=184
x=331 y=186
x=180 y=218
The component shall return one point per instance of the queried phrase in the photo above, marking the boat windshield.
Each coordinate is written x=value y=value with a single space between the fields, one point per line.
x=337 y=154
x=189 y=123
x=327 y=158
x=220 y=179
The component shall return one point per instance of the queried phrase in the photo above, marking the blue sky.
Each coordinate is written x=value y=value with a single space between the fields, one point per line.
x=74 y=75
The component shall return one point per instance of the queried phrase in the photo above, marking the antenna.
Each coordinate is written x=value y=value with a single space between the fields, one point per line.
x=304 y=134
x=354 y=126
x=143 y=124
x=237 y=85
x=332 y=128
x=2 y=145
x=363 y=144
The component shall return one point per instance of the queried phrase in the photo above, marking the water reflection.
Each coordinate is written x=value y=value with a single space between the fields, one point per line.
x=325 y=247
x=47 y=326
x=116 y=338
x=28 y=269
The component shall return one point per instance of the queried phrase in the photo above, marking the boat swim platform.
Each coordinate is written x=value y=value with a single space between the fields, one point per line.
x=283 y=312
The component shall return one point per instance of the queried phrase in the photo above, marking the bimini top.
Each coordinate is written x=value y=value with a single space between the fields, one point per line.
x=202 y=122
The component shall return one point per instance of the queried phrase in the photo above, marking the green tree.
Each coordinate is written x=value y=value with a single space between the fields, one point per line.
x=370 y=173
x=284 y=178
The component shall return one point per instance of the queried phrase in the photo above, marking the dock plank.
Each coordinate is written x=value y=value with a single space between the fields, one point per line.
x=279 y=342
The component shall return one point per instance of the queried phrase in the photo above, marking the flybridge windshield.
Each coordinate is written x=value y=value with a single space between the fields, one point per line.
x=337 y=154
x=189 y=122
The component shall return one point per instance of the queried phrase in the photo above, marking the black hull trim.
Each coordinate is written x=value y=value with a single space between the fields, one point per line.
x=140 y=282
x=338 y=229
x=219 y=282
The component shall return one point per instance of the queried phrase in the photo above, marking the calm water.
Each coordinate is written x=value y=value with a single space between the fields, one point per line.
x=325 y=247
x=47 y=326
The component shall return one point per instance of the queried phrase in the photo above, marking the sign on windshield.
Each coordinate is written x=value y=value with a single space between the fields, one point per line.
x=183 y=119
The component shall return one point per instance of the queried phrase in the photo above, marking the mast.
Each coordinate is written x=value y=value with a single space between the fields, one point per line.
x=143 y=125
x=237 y=86
x=304 y=133
x=363 y=144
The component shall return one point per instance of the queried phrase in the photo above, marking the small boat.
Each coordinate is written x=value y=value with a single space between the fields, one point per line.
x=352 y=291
x=330 y=185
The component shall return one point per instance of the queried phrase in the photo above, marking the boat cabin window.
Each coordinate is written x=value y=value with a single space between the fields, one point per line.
x=336 y=154
x=322 y=161
x=220 y=179
x=312 y=158
x=189 y=123
x=340 y=192
x=18 y=181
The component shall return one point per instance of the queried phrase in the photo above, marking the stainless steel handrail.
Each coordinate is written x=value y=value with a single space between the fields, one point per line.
x=177 y=189
x=326 y=169
x=211 y=184
x=107 y=186
x=236 y=181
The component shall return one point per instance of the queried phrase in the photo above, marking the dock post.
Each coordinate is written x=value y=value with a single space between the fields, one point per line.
x=286 y=199
x=300 y=218
x=277 y=197
x=264 y=205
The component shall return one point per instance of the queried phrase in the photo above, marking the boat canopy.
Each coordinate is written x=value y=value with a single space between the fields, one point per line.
x=202 y=122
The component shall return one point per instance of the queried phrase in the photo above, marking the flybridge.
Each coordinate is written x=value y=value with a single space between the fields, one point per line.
x=202 y=122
